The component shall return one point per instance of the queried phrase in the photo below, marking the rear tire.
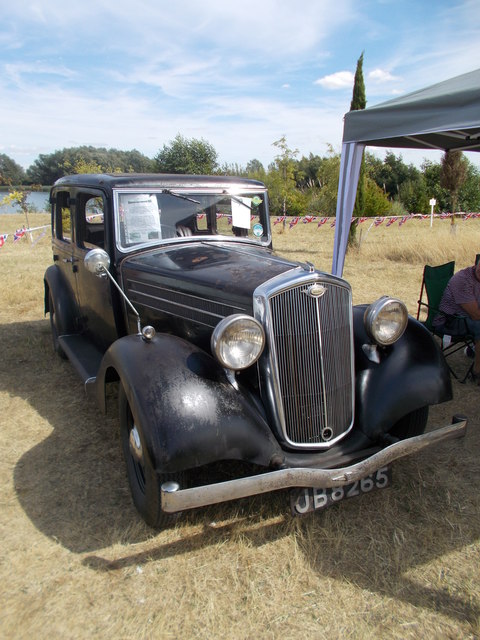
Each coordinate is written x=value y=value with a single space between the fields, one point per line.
x=413 y=424
x=145 y=483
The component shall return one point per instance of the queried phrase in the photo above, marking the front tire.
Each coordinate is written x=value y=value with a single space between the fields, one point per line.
x=413 y=424
x=145 y=483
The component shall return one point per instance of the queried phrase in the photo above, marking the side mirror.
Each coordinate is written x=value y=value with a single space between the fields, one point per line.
x=97 y=261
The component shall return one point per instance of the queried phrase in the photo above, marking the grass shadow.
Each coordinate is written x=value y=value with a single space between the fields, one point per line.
x=72 y=486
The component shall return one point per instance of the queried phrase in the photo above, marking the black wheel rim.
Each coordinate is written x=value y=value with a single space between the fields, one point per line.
x=137 y=466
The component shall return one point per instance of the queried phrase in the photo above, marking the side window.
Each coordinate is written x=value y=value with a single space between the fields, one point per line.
x=202 y=222
x=63 y=217
x=90 y=220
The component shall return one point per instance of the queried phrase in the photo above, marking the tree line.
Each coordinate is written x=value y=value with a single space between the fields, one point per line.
x=297 y=186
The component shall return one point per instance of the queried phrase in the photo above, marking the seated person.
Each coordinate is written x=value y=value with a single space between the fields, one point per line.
x=462 y=298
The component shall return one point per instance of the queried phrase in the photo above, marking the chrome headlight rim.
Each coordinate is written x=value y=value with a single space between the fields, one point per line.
x=373 y=319
x=224 y=331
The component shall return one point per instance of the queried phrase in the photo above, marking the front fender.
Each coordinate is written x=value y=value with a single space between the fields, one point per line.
x=189 y=413
x=412 y=373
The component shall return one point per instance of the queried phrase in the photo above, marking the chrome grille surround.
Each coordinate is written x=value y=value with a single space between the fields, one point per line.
x=307 y=369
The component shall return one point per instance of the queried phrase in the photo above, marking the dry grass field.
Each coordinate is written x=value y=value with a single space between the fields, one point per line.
x=77 y=562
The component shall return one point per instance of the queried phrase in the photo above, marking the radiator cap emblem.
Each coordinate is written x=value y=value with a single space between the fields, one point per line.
x=316 y=290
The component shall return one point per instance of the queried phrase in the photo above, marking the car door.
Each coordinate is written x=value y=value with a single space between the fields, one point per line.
x=63 y=243
x=97 y=300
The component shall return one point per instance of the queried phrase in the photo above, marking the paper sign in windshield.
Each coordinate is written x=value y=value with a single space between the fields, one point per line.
x=141 y=217
x=241 y=211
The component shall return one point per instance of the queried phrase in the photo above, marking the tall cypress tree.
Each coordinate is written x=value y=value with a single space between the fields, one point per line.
x=452 y=177
x=359 y=101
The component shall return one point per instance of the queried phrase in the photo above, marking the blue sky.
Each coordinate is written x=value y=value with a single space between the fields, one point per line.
x=239 y=74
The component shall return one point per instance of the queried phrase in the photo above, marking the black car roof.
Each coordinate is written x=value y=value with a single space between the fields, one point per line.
x=156 y=180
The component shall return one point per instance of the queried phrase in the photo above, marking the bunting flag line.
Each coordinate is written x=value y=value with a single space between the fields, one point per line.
x=19 y=233
x=293 y=221
x=22 y=233
x=95 y=217
x=376 y=221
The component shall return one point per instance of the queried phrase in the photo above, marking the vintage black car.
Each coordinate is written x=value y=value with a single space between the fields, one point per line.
x=226 y=352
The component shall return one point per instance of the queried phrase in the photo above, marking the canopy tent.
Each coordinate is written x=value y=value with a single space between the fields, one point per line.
x=444 y=116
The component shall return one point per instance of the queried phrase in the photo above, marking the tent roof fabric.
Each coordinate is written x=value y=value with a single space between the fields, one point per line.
x=444 y=116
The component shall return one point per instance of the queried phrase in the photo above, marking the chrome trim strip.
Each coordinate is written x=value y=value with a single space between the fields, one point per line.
x=209 y=318
x=177 y=293
x=139 y=295
x=183 y=499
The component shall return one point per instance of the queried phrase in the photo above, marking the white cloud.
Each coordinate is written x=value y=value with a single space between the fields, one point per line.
x=278 y=29
x=240 y=128
x=24 y=72
x=431 y=51
x=380 y=76
x=339 y=80
x=239 y=75
x=174 y=77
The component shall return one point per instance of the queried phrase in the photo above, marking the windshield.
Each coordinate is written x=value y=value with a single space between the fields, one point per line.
x=148 y=217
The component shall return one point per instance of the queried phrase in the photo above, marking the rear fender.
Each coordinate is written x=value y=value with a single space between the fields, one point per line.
x=62 y=300
x=412 y=373
x=189 y=413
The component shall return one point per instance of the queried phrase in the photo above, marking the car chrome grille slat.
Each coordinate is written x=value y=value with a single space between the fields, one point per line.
x=311 y=352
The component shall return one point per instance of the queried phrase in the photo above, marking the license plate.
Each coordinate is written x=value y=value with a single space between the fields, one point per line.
x=309 y=499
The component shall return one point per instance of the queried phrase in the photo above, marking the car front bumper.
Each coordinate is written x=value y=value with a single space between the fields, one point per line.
x=175 y=499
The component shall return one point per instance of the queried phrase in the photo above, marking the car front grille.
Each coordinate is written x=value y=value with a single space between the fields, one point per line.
x=309 y=330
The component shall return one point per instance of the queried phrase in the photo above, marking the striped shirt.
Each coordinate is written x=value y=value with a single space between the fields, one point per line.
x=463 y=287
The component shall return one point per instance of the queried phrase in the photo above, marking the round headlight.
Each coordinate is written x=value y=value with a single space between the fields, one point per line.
x=238 y=341
x=386 y=320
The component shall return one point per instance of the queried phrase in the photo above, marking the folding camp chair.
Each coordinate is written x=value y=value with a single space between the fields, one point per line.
x=434 y=282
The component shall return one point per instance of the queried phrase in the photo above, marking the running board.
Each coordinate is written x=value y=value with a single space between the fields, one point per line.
x=84 y=356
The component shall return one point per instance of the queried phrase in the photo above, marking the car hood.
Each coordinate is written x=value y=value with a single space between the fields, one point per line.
x=195 y=275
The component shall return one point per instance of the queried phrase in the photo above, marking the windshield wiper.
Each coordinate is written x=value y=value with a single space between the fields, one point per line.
x=179 y=195
x=239 y=200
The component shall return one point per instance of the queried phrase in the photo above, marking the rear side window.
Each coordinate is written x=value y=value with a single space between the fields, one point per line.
x=62 y=217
